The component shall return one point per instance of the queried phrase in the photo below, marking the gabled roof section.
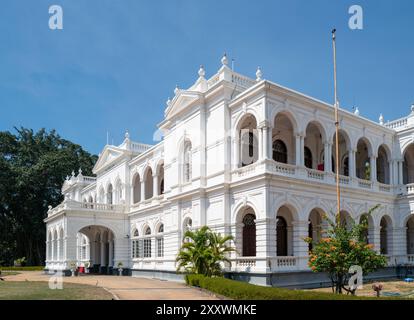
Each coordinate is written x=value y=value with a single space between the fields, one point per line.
x=109 y=155
x=183 y=99
x=112 y=154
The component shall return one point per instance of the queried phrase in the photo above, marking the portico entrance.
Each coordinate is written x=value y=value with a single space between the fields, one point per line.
x=95 y=249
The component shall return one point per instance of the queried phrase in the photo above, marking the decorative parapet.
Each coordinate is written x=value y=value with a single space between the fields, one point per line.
x=70 y=205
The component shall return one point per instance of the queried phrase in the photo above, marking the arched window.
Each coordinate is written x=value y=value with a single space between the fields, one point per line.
x=279 y=151
x=109 y=195
x=384 y=236
x=346 y=166
x=187 y=169
x=160 y=242
x=161 y=179
x=282 y=239
x=147 y=243
x=310 y=234
x=308 y=158
x=383 y=166
x=249 y=235
x=248 y=141
x=135 y=244
x=136 y=189
x=410 y=235
x=149 y=189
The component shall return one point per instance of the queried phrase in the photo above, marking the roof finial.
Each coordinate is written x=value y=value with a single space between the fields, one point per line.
x=201 y=72
x=176 y=90
x=126 y=134
x=381 y=119
x=412 y=107
x=258 y=74
x=80 y=171
x=356 y=112
x=168 y=101
x=224 y=60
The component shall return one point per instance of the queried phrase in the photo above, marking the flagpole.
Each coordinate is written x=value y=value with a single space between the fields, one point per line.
x=336 y=106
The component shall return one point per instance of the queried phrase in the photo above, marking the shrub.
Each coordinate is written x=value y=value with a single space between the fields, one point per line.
x=245 y=291
x=35 y=268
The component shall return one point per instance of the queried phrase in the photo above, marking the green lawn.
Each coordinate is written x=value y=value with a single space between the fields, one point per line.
x=27 y=290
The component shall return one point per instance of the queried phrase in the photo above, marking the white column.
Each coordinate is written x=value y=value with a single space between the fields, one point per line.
x=155 y=185
x=53 y=250
x=102 y=253
x=400 y=172
x=142 y=190
x=111 y=257
x=265 y=242
x=300 y=247
x=374 y=237
x=351 y=164
x=327 y=157
x=373 y=165
x=298 y=149
x=261 y=146
x=265 y=135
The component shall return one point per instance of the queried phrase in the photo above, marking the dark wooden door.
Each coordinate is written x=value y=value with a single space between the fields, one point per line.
x=281 y=233
x=249 y=236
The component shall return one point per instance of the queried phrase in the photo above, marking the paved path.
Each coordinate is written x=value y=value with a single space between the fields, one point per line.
x=126 y=288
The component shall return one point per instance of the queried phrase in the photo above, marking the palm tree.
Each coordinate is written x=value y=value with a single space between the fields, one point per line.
x=202 y=252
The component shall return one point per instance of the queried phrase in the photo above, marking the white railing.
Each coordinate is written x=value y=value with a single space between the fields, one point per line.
x=343 y=180
x=242 y=81
x=283 y=168
x=384 y=187
x=366 y=184
x=399 y=123
x=315 y=174
x=211 y=82
x=410 y=188
x=139 y=147
x=89 y=179
x=246 y=262
x=93 y=206
x=245 y=171
x=285 y=262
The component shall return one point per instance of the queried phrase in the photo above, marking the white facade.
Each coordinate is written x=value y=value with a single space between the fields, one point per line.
x=245 y=157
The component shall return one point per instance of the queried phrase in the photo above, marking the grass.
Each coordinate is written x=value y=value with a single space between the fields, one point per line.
x=31 y=268
x=8 y=273
x=245 y=291
x=28 y=290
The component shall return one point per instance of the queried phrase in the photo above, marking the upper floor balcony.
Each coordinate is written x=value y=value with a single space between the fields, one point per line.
x=86 y=207
x=309 y=175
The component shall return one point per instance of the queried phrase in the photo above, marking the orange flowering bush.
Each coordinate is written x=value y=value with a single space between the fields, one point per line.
x=341 y=248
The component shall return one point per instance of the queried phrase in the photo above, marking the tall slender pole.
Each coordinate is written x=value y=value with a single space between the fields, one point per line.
x=337 y=164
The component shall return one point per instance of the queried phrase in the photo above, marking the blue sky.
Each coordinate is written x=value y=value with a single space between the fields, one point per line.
x=115 y=63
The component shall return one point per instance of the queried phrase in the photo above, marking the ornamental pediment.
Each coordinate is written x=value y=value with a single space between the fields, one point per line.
x=180 y=102
x=109 y=156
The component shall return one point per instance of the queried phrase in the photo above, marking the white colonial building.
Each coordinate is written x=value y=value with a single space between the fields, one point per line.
x=246 y=157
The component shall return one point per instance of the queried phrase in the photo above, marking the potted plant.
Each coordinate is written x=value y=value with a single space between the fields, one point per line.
x=120 y=264
x=21 y=262
x=73 y=267
x=87 y=265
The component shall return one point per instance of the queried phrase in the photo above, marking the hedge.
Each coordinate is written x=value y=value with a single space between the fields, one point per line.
x=244 y=291
x=32 y=268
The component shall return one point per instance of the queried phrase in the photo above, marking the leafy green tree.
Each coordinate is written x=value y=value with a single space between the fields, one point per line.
x=33 y=166
x=344 y=246
x=203 y=251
